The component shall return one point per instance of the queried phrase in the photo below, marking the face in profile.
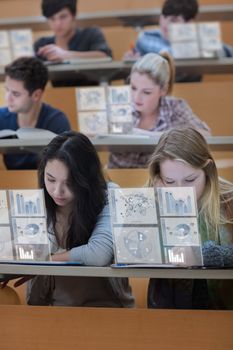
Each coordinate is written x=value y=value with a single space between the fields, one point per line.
x=56 y=178
x=62 y=23
x=165 y=21
x=17 y=98
x=145 y=94
x=177 y=173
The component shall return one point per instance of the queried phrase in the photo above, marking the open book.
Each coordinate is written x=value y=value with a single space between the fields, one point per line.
x=27 y=134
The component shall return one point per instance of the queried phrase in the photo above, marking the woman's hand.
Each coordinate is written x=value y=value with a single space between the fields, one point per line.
x=64 y=256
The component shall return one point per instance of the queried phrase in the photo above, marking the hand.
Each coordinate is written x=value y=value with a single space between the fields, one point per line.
x=131 y=54
x=64 y=256
x=53 y=53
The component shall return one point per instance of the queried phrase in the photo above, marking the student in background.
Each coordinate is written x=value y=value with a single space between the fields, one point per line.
x=173 y=11
x=79 y=226
x=182 y=158
x=25 y=81
x=68 y=42
x=151 y=80
x=156 y=40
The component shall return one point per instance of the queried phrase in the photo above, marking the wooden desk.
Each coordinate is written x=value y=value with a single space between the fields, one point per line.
x=59 y=328
x=132 y=17
x=103 y=72
x=116 y=70
x=22 y=146
x=133 y=143
x=111 y=143
x=92 y=271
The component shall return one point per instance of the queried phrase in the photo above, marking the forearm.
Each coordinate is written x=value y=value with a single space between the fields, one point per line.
x=217 y=255
x=85 y=54
x=99 y=249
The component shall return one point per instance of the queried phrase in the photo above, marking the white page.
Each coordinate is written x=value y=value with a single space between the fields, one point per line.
x=35 y=134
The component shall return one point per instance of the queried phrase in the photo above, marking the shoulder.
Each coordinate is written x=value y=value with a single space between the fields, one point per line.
x=89 y=39
x=112 y=185
x=4 y=112
x=6 y=117
x=174 y=102
x=105 y=211
x=151 y=33
x=87 y=32
x=50 y=115
x=92 y=30
x=51 y=111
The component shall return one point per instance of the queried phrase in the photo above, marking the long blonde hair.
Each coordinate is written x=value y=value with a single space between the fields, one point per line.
x=190 y=146
x=158 y=67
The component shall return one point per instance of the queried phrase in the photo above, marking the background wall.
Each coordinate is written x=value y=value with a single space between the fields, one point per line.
x=15 y=8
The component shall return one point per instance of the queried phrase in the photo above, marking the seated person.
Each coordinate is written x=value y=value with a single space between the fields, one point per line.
x=79 y=225
x=156 y=40
x=151 y=79
x=182 y=158
x=25 y=81
x=68 y=41
x=173 y=11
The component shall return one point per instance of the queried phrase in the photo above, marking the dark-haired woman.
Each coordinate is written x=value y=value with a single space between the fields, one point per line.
x=79 y=226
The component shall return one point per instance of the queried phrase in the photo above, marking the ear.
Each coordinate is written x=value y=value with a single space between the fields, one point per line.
x=37 y=95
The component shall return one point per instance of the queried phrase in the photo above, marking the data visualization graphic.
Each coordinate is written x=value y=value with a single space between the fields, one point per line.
x=137 y=245
x=133 y=206
x=27 y=203
x=155 y=226
x=176 y=201
x=23 y=226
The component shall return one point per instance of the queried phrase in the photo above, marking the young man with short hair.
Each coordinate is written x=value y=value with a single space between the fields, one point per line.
x=25 y=81
x=69 y=42
x=156 y=40
x=173 y=11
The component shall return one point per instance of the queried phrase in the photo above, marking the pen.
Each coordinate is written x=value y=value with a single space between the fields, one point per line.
x=133 y=48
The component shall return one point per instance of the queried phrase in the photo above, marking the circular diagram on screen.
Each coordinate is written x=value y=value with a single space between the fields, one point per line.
x=32 y=229
x=182 y=231
x=137 y=244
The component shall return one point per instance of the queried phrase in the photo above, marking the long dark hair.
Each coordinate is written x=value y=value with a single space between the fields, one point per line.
x=86 y=180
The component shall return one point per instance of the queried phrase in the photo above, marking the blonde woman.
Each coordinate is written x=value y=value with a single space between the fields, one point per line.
x=151 y=80
x=182 y=158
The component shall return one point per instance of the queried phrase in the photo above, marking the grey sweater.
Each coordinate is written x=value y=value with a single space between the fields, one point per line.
x=84 y=291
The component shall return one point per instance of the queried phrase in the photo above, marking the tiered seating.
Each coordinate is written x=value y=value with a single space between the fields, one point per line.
x=57 y=328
